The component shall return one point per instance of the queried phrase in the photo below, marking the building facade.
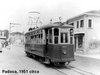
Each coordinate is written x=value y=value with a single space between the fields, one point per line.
x=17 y=38
x=3 y=38
x=3 y=34
x=86 y=32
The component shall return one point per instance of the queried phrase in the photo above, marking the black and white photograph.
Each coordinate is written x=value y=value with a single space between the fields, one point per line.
x=49 y=37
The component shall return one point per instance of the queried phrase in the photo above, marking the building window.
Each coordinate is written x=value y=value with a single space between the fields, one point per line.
x=80 y=41
x=77 y=24
x=71 y=32
x=89 y=23
x=82 y=23
x=61 y=37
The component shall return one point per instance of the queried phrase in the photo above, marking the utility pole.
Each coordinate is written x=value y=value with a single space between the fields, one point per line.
x=10 y=26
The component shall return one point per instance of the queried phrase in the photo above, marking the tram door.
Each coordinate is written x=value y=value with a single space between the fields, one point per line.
x=46 y=37
x=49 y=39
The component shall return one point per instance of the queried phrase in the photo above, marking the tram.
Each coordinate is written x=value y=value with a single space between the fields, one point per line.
x=52 y=43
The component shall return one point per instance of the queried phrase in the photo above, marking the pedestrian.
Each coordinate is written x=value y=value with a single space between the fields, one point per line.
x=6 y=43
x=0 y=47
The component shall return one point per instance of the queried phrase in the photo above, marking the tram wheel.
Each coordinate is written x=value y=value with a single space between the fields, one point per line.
x=28 y=54
x=33 y=56
x=40 y=59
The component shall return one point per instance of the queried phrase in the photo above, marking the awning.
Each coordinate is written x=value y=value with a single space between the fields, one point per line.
x=79 y=34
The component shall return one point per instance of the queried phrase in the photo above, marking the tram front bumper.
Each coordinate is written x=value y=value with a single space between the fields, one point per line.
x=62 y=59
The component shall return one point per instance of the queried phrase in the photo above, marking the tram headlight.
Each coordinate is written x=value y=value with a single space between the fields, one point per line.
x=64 y=51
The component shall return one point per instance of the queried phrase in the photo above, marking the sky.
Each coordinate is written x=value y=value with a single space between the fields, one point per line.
x=17 y=11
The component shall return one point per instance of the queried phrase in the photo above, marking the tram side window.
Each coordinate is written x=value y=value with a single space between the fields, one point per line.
x=56 y=32
x=32 y=37
x=56 y=40
x=41 y=36
x=50 y=36
x=29 y=38
x=35 y=37
x=64 y=37
x=61 y=37
x=26 y=37
x=56 y=35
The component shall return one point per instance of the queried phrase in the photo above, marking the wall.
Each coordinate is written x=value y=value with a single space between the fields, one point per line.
x=92 y=36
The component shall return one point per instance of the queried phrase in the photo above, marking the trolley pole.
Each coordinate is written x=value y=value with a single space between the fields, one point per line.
x=34 y=20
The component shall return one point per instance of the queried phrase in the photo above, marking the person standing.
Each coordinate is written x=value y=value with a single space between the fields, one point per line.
x=0 y=47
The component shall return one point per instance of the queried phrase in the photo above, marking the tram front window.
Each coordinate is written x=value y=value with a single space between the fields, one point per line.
x=64 y=37
x=56 y=35
x=56 y=32
x=50 y=36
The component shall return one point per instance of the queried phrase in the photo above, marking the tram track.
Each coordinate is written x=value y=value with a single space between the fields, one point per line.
x=77 y=70
x=61 y=72
x=70 y=70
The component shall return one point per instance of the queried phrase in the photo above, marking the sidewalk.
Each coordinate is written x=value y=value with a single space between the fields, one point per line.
x=96 y=56
x=87 y=62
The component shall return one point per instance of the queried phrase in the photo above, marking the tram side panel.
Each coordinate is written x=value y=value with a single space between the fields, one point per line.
x=36 y=49
x=67 y=52
x=54 y=53
x=33 y=45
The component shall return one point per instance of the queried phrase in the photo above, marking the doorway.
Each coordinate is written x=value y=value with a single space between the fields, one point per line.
x=79 y=42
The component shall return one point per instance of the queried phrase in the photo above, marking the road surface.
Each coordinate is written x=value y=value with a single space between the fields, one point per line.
x=13 y=61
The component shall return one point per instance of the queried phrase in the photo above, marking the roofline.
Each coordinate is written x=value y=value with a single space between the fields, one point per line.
x=83 y=14
x=76 y=16
x=51 y=25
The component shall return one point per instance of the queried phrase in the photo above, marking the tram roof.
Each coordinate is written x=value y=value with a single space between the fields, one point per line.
x=57 y=24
